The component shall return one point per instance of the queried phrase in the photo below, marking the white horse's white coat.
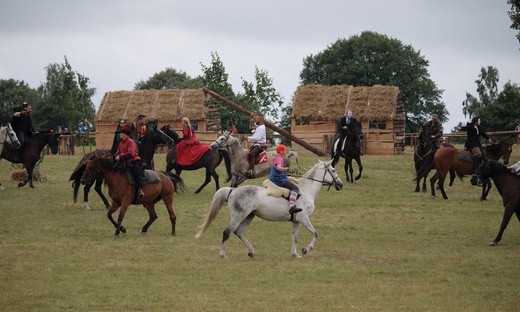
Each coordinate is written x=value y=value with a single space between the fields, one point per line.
x=7 y=135
x=246 y=202
x=515 y=168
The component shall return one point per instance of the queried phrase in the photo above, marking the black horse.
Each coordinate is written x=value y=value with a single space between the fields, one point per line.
x=424 y=151
x=210 y=160
x=507 y=184
x=147 y=146
x=351 y=150
x=32 y=152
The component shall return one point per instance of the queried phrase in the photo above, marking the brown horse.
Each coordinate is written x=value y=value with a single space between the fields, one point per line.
x=156 y=186
x=508 y=185
x=447 y=158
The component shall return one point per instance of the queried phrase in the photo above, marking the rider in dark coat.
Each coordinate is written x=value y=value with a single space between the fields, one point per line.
x=22 y=125
x=435 y=129
x=474 y=130
x=348 y=125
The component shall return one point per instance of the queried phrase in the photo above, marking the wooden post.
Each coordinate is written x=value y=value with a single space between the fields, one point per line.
x=268 y=124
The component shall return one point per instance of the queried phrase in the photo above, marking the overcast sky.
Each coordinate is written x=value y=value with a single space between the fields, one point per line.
x=118 y=43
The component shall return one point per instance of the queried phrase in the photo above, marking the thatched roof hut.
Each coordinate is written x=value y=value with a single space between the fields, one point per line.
x=317 y=109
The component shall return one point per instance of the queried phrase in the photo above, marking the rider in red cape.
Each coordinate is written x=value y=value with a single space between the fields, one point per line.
x=189 y=150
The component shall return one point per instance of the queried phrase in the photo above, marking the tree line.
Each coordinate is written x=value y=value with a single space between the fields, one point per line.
x=367 y=59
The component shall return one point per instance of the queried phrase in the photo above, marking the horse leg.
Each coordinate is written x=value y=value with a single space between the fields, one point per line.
x=151 y=214
x=424 y=188
x=441 y=186
x=122 y=212
x=486 y=187
x=306 y=222
x=168 y=201
x=432 y=183
x=208 y=179
x=346 y=171
x=294 y=240
x=240 y=231
x=97 y=187
x=508 y=212
x=110 y=211
x=86 y=190
x=360 y=167
x=351 y=170
x=452 y=176
x=236 y=220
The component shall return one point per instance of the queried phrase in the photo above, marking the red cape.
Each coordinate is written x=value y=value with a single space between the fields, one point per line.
x=190 y=154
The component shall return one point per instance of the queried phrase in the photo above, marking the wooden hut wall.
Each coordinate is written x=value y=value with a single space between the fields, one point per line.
x=317 y=109
x=167 y=106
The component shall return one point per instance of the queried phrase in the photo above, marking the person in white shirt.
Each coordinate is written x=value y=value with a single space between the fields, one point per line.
x=257 y=139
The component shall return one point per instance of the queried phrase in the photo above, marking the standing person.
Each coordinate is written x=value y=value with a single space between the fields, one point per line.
x=474 y=131
x=138 y=128
x=21 y=122
x=127 y=152
x=348 y=125
x=258 y=138
x=435 y=129
x=117 y=138
x=278 y=175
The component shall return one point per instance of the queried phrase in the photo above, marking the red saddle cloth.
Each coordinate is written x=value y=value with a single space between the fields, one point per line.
x=261 y=158
x=190 y=154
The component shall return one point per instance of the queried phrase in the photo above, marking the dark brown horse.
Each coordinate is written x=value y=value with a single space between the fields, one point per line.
x=424 y=151
x=351 y=150
x=507 y=184
x=156 y=186
x=32 y=152
x=211 y=159
x=447 y=158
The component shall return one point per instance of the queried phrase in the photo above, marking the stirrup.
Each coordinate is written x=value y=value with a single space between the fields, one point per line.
x=293 y=210
x=249 y=173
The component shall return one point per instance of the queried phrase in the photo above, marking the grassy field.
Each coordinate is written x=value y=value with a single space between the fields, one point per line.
x=381 y=247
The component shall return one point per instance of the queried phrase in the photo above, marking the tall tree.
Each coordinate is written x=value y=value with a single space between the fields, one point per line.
x=514 y=15
x=502 y=113
x=373 y=59
x=487 y=89
x=169 y=78
x=12 y=94
x=66 y=98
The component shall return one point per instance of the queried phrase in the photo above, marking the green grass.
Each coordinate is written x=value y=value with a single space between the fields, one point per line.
x=381 y=247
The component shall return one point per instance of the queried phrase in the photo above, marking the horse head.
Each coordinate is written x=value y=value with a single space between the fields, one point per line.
x=95 y=167
x=222 y=141
x=325 y=173
x=425 y=139
x=168 y=134
x=11 y=137
x=54 y=142
x=482 y=172
x=506 y=149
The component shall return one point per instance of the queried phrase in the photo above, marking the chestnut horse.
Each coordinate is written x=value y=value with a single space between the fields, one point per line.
x=447 y=158
x=507 y=184
x=156 y=186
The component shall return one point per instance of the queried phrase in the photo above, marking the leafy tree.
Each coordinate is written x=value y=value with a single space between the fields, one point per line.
x=502 y=113
x=12 y=94
x=169 y=78
x=373 y=59
x=215 y=78
x=66 y=98
x=514 y=15
x=262 y=96
x=487 y=89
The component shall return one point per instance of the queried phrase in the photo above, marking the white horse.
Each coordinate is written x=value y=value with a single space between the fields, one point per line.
x=515 y=168
x=246 y=202
x=7 y=135
x=239 y=163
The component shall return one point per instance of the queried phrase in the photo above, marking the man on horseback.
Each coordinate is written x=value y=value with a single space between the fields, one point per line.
x=258 y=139
x=474 y=130
x=127 y=152
x=347 y=126
x=435 y=129
x=138 y=128
x=278 y=176
x=22 y=125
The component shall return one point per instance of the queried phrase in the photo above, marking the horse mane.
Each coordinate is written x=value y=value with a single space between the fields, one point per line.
x=501 y=169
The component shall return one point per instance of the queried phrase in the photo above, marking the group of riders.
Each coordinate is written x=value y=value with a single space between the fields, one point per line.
x=473 y=133
x=130 y=136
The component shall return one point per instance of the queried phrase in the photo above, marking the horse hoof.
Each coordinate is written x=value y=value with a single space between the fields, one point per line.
x=143 y=233
x=493 y=244
x=251 y=254
x=123 y=229
x=223 y=256
x=20 y=184
x=304 y=251
x=297 y=256
x=116 y=236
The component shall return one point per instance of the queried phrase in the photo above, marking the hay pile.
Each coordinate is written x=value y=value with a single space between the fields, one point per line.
x=172 y=104
x=328 y=103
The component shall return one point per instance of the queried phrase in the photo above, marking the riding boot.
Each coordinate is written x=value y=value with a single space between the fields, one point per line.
x=292 y=203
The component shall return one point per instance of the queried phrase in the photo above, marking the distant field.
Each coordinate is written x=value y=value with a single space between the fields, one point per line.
x=381 y=247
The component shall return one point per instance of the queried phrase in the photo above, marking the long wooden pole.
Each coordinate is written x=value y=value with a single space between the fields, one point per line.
x=268 y=124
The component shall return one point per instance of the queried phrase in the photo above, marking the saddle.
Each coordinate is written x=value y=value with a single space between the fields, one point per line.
x=278 y=191
x=149 y=177
x=465 y=155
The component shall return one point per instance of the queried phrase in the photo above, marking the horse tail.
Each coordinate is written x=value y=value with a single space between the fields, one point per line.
x=178 y=182
x=227 y=161
x=76 y=181
x=219 y=198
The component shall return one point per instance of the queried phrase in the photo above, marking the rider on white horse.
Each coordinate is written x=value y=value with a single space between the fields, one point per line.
x=278 y=176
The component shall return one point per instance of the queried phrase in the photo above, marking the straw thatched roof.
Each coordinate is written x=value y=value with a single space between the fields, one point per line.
x=328 y=103
x=172 y=104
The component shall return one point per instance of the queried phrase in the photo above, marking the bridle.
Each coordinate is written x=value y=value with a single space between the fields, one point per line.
x=322 y=181
x=226 y=138
x=9 y=134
